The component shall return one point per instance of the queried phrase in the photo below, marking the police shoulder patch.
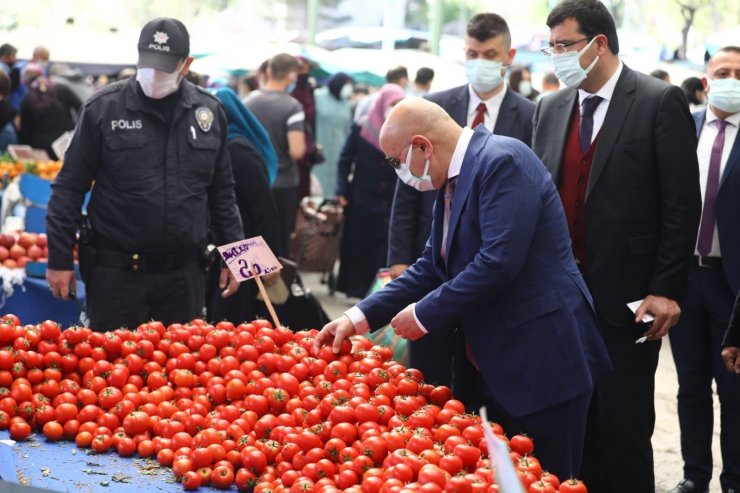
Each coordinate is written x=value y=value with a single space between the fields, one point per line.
x=204 y=117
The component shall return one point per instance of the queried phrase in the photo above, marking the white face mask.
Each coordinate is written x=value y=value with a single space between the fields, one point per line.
x=525 y=88
x=483 y=75
x=724 y=94
x=568 y=68
x=346 y=92
x=423 y=183
x=157 y=84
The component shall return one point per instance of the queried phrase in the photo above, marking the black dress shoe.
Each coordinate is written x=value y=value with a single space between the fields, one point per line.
x=688 y=486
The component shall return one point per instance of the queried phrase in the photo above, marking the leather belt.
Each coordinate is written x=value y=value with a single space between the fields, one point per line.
x=709 y=262
x=144 y=262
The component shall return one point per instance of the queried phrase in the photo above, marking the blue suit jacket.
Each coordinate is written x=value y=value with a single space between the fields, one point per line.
x=510 y=283
x=411 y=216
x=728 y=210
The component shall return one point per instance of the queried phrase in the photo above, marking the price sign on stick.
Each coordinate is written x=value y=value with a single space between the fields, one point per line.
x=506 y=475
x=251 y=259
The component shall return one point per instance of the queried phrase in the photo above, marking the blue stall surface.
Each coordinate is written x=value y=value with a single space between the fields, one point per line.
x=61 y=466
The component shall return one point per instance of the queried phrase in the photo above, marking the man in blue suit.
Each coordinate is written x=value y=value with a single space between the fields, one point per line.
x=498 y=266
x=714 y=282
x=488 y=101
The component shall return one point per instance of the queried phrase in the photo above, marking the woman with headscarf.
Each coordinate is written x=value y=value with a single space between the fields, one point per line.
x=254 y=200
x=367 y=198
x=47 y=110
x=333 y=124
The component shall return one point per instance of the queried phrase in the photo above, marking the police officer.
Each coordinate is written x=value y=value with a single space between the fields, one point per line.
x=155 y=148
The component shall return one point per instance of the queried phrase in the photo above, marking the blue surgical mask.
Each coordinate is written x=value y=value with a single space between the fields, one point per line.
x=423 y=183
x=568 y=68
x=483 y=75
x=291 y=88
x=724 y=94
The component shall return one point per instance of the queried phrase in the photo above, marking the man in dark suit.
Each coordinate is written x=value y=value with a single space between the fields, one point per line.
x=499 y=267
x=714 y=281
x=487 y=100
x=621 y=147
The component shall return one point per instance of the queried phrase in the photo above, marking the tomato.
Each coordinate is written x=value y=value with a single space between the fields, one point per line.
x=375 y=448
x=530 y=464
x=126 y=447
x=102 y=443
x=71 y=428
x=136 y=422
x=572 y=486
x=222 y=477
x=83 y=439
x=65 y=412
x=541 y=487
x=521 y=444
x=191 y=480
x=53 y=431
x=549 y=477
x=469 y=454
x=166 y=457
x=145 y=448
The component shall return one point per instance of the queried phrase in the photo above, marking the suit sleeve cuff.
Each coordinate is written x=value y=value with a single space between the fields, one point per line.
x=418 y=322
x=358 y=319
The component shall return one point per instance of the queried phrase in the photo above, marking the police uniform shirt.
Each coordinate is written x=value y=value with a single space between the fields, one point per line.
x=158 y=185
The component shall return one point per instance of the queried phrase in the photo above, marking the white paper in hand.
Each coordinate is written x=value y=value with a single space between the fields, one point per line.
x=506 y=476
x=247 y=258
x=635 y=305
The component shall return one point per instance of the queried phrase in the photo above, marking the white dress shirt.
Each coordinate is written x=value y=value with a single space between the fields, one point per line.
x=606 y=92
x=355 y=315
x=704 y=151
x=493 y=106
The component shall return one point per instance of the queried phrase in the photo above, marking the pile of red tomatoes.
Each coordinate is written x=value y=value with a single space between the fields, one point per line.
x=250 y=405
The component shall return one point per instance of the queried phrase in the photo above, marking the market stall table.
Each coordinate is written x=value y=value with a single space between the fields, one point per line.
x=33 y=302
x=61 y=466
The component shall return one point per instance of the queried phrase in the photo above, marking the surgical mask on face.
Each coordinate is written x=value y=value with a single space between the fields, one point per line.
x=423 y=183
x=291 y=87
x=346 y=92
x=483 y=75
x=525 y=88
x=568 y=68
x=724 y=94
x=157 y=84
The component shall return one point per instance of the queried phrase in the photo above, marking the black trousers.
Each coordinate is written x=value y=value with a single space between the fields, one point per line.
x=286 y=200
x=558 y=431
x=124 y=298
x=696 y=343
x=433 y=356
x=621 y=417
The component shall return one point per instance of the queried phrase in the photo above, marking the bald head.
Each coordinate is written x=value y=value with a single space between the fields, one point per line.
x=414 y=116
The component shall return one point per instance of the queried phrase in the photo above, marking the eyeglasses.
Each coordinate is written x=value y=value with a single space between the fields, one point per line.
x=560 y=48
x=395 y=163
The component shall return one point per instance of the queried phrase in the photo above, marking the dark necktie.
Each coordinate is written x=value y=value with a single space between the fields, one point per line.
x=706 y=230
x=480 y=115
x=586 y=129
x=449 y=195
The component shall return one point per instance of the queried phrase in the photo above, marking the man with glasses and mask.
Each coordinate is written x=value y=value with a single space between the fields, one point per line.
x=486 y=100
x=155 y=147
x=621 y=148
x=498 y=267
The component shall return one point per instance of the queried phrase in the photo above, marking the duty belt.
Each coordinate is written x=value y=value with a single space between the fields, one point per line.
x=144 y=262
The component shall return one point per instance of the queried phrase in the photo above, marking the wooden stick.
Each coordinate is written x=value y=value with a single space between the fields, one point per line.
x=265 y=297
